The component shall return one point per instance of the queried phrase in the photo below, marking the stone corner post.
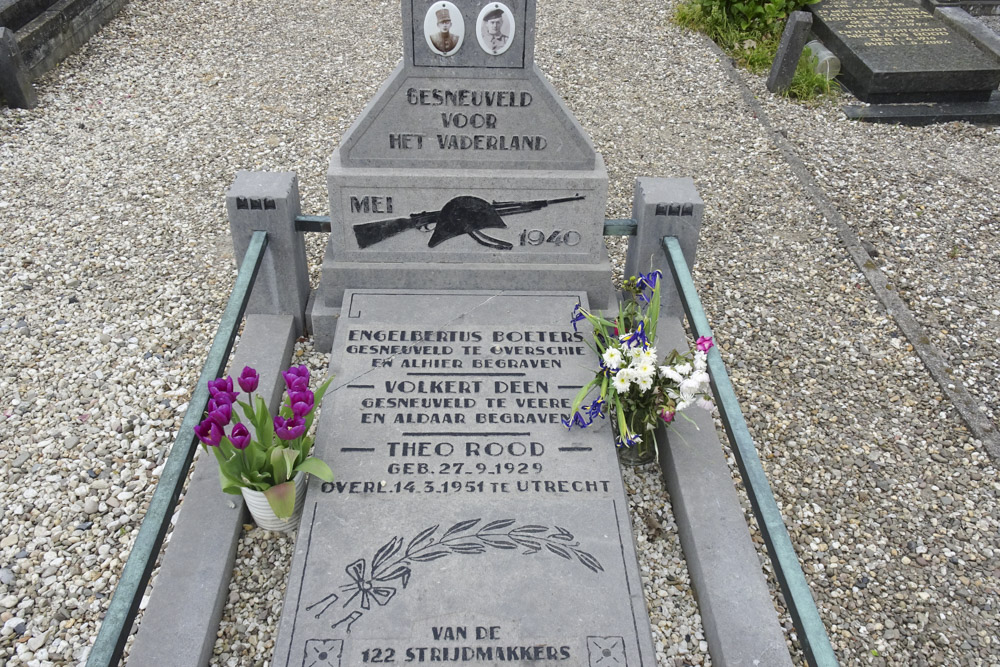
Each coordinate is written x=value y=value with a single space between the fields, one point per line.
x=269 y=202
x=664 y=207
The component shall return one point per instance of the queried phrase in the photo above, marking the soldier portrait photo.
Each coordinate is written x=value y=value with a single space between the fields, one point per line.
x=496 y=28
x=443 y=28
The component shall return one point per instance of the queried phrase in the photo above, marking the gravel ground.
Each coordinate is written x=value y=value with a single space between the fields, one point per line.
x=117 y=262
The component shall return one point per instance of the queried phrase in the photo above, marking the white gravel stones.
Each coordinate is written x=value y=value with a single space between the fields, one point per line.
x=116 y=261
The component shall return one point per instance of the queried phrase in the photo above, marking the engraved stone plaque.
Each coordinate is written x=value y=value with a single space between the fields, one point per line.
x=895 y=51
x=466 y=524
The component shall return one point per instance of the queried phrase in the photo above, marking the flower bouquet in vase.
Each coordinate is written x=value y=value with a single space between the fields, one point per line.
x=633 y=386
x=268 y=468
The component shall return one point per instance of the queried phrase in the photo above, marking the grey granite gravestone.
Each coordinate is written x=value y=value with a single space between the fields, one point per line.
x=894 y=51
x=465 y=171
x=465 y=524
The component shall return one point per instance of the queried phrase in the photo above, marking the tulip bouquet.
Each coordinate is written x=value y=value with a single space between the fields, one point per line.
x=279 y=449
x=635 y=388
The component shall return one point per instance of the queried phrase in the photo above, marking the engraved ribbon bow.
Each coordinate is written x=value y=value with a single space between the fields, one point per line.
x=365 y=588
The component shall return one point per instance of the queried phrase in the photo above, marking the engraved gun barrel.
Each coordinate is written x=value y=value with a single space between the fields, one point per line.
x=370 y=233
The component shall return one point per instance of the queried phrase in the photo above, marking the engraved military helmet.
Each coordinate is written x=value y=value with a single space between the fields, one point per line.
x=468 y=215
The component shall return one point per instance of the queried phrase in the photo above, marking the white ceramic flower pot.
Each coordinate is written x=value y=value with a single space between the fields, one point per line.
x=264 y=516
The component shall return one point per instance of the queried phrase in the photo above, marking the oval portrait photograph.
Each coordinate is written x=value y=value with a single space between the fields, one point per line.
x=444 y=28
x=495 y=28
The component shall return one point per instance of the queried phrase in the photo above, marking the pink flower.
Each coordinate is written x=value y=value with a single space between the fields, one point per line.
x=667 y=416
x=704 y=344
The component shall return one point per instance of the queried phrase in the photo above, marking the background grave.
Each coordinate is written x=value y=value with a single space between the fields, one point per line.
x=894 y=51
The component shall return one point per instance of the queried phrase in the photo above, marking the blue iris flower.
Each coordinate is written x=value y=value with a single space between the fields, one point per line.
x=637 y=338
x=577 y=316
x=647 y=281
x=595 y=410
x=577 y=420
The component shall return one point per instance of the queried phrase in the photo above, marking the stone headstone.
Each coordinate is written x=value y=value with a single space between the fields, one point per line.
x=465 y=524
x=15 y=84
x=465 y=171
x=793 y=39
x=894 y=51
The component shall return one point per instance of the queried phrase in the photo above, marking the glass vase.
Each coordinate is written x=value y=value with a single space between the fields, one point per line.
x=640 y=454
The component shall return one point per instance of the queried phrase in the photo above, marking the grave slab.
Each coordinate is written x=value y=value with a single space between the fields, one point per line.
x=986 y=113
x=465 y=523
x=894 y=51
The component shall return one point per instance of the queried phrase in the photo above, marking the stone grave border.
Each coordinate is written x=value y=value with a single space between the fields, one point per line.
x=31 y=47
x=185 y=606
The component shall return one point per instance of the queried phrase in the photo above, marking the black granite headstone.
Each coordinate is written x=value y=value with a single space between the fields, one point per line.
x=466 y=524
x=894 y=51
x=793 y=39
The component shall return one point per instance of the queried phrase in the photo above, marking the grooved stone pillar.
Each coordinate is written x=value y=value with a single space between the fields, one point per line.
x=14 y=83
x=269 y=201
x=663 y=207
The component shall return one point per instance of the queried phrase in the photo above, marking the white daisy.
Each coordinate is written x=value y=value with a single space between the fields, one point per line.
x=671 y=374
x=612 y=357
x=621 y=381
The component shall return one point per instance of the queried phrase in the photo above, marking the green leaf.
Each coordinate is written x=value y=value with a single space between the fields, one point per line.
x=317 y=468
x=229 y=483
x=281 y=498
x=582 y=395
x=291 y=456
x=653 y=313
x=264 y=424
x=279 y=465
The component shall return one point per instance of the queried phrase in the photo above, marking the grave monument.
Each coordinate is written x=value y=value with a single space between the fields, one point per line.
x=465 y=171
x=894 y=51
x=466 y=524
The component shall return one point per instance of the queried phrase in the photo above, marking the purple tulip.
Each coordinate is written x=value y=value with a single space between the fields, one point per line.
x=301 y=401
x=249 y=379
x=296 y=378
x=240 y=437
x=209 y=433
x=220 y=413
x=222 y=386
x=289 y=429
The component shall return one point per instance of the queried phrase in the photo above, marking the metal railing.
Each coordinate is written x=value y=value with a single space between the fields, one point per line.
x=117 y=624
x=801 y=606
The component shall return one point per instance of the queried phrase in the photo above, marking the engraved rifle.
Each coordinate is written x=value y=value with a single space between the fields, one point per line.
x=461 y=215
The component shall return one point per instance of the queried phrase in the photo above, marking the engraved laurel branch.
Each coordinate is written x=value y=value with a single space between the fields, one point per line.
x=389 y=564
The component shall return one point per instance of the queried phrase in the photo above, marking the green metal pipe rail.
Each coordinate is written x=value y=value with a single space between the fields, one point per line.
x=117 y=624
x=801 y=606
